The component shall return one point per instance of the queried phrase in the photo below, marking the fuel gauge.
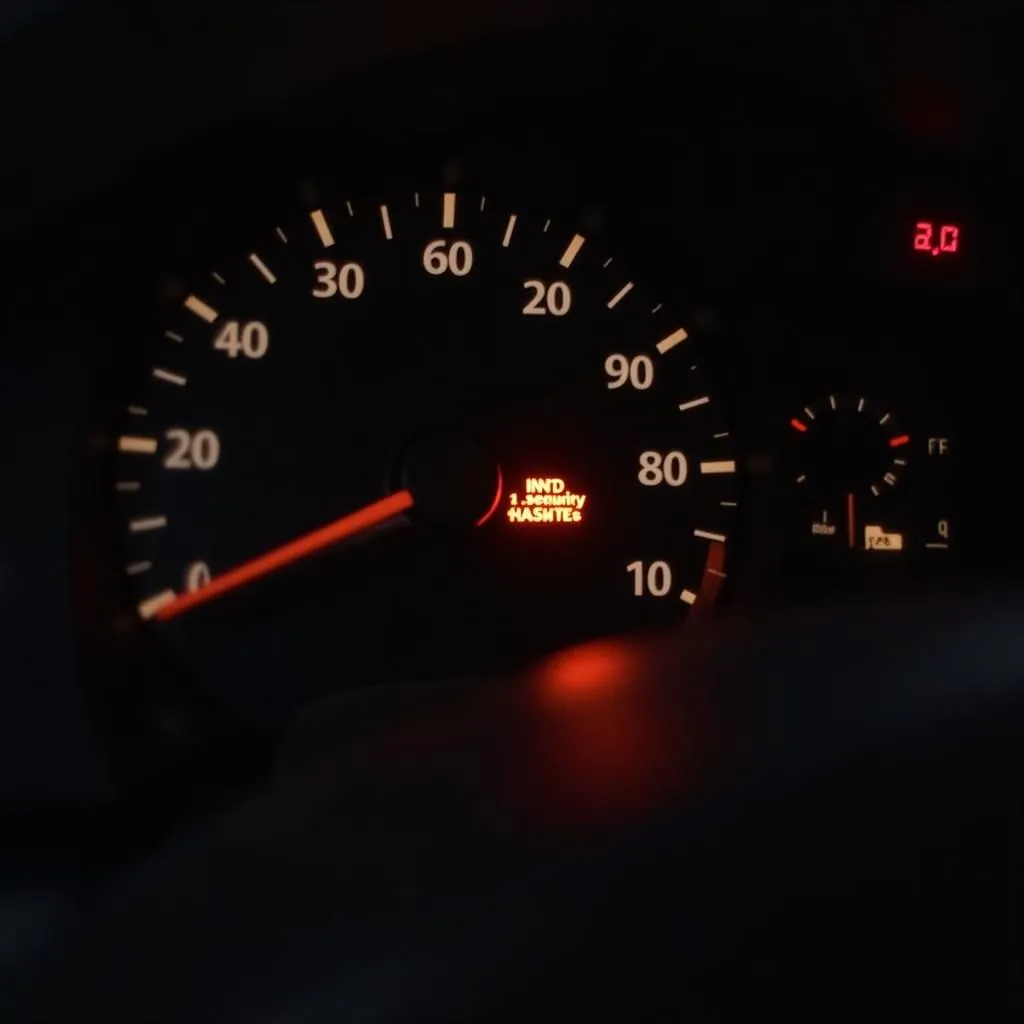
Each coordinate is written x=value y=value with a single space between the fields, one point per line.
x=867 y=484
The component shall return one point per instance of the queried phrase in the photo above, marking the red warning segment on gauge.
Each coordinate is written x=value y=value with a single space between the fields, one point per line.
x=546 y=499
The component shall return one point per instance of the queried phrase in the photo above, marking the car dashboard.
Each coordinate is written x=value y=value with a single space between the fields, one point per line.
x=447 y=362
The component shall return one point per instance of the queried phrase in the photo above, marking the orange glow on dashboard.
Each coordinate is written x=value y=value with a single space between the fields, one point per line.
x=590 y=670
x=497 y=500
x=608 y=750
x=545 y=499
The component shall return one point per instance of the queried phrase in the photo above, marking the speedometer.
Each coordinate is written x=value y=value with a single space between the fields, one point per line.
x=417 y=436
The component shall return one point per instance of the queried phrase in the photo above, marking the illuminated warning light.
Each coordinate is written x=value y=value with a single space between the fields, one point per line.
x=938 y=241
x=545 y=499
x=876 y=539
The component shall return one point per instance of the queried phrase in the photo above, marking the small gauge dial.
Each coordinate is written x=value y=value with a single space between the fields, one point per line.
x=849 y=446
x=866 y=482
x=849 y=455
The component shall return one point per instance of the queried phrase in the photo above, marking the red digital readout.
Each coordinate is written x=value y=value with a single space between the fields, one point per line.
x=936 y=239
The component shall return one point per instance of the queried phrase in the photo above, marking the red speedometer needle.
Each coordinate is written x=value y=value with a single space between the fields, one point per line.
x=341 y=529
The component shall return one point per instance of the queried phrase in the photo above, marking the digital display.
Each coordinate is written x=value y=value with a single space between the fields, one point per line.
x=546 y=500
x=936 y=239
x=930 y=240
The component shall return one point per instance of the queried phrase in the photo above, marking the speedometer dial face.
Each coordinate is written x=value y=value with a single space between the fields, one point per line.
x=414 y=437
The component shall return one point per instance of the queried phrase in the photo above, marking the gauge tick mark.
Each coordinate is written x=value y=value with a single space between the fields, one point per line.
x=137 y=445
x=147 y=523
x=706 y=535
x=695 y=403
x=264 y=270
x=323 y=229
x=448 y=211
x=171 y=378
x=620 y=294
x=201 y=309
x=677 y=337
x=572 y=251
x=149 y=608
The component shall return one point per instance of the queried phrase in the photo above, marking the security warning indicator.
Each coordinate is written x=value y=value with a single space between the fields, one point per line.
x=546 y=499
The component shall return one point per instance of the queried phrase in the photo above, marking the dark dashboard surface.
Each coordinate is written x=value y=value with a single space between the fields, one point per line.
x=825 y=199
x=771 y=192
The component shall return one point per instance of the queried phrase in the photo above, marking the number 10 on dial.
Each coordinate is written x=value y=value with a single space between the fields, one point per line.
x=650 y=579
x=654 y=579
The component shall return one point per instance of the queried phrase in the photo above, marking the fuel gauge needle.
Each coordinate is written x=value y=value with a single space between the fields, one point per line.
x=345 y=528
x=851 y=520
